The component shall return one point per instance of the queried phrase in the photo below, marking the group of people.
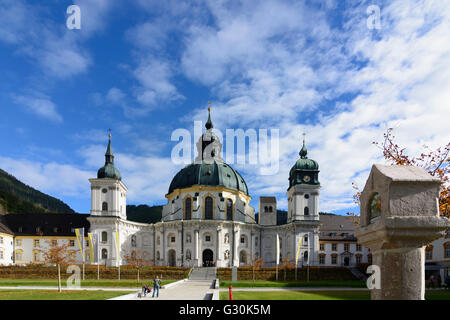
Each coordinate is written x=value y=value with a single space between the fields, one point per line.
x=156 y=286
x=208 y=263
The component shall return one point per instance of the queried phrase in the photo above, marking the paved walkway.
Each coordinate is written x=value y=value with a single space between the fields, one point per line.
x=187 y=290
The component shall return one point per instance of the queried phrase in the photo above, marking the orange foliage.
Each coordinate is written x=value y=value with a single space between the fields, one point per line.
x=436 y=163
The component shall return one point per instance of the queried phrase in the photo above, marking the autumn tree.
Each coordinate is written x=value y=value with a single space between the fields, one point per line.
x=435 y=162
x=138 y=260
x=286 y=263
x=59 y=255
x=256 y=264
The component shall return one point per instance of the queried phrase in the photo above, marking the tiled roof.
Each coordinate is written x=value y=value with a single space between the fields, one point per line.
x=46 y=224
x=4 y=227
x=337 y=227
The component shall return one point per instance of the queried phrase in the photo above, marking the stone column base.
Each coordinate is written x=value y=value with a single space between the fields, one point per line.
x=402 y=274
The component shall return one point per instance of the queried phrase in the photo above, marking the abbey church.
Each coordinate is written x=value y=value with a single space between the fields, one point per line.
x=207 y=221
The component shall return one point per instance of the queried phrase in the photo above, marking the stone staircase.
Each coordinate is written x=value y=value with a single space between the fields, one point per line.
x=358 y=274
x=206 y=273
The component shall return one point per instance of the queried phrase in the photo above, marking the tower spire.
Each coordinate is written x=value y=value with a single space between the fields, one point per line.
x=303 y=152
x=109 y=156
x=209 y=123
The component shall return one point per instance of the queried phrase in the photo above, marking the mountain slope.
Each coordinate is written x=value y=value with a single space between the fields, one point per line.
x=17 y=197
x=144 y=213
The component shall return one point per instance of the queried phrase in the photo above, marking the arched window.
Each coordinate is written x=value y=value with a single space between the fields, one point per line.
x=229 y=209
x=243 y=258
x=105 y=206
x=133 y=241
x=188 y=209
x=208 y=208
x=305 y=256
x=306 y=211
x=158 y=256
x=104 y=236
x=270 y=209
x=104 y=254
x=266 y=209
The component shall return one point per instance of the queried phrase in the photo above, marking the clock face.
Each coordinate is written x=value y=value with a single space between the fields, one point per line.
x=306 y=178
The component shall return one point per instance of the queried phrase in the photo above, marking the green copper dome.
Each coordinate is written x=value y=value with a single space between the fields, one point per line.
x=304 y=171
x=108 y=171
x=215 y=173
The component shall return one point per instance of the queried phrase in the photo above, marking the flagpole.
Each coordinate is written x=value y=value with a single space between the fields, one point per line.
x=309 y=258
x=98 y=257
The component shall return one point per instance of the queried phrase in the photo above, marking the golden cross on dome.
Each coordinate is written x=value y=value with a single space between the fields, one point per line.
x=304 y=135
x=109 y=135
x=209 y=106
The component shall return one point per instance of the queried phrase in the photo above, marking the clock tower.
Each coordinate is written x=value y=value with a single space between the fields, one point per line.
x=108 y=193
x=303 y=192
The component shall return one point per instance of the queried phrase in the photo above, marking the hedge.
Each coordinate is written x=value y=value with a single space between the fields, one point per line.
x=323 y=273
x=39 y=271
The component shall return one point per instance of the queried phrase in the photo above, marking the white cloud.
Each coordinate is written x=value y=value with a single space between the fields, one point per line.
x=286 y=82
x=53 y=178
x=42 y=106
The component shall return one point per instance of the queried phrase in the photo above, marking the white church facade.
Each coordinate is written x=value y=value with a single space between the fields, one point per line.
x=208 y=219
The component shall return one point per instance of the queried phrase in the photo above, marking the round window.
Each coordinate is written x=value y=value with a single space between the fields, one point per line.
x=104 y=190
x=306 y=196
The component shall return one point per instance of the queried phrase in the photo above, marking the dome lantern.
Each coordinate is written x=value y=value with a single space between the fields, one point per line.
x=108 y=171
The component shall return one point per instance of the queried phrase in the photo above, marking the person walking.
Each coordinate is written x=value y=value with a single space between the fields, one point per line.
x=431 y=281
x=156 y=285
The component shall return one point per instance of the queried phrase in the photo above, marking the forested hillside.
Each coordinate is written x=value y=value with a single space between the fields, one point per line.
x=17 y=197
x=144 y=213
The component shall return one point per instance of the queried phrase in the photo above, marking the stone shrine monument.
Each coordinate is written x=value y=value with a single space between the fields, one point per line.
x=399 y=217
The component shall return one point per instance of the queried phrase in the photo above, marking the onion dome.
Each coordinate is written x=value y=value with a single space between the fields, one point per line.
x=304 y=171
x=208 y=169
x=215 y=173
x=108 y=171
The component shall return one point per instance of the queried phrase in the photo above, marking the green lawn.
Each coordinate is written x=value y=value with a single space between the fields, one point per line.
x=86 y=283
x=319 y=295
x=54 y=295
x=297 y=295
x=317 y=283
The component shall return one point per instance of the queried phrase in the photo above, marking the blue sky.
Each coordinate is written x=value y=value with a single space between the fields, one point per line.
x=146 y=68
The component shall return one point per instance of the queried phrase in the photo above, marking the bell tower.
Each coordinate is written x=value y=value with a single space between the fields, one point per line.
x=304 y=186
x=108 y=193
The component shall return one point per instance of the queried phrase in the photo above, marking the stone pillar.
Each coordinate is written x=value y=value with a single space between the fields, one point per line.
x=218 y=246
x=235 y=246
x=196 y=261
x=163 y=247
x=399 y=216
x=179 y=248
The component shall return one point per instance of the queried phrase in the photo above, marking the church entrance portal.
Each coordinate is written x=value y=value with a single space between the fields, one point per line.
x=172 y=258
x=208 y=258
x=346 y=261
